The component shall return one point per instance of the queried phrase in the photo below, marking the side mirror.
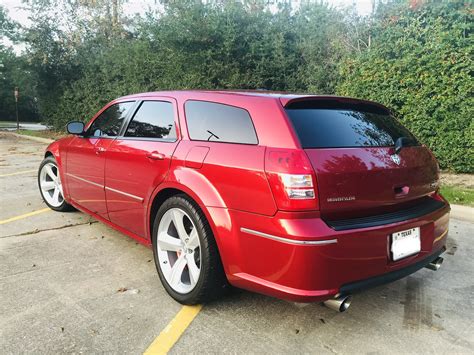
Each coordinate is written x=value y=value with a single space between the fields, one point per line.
x=75 y=127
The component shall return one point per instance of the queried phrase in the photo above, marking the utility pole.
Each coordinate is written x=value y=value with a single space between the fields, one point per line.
x=17 y=94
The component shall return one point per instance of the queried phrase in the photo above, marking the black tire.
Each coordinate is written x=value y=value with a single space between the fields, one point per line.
x=64 y=206
x=212 y=282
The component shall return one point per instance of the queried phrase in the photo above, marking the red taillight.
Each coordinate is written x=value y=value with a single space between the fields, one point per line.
x=437 y=196
x=292 y=179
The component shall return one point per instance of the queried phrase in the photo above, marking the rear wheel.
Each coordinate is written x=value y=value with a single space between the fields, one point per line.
x=50 y=185
x=186 y=254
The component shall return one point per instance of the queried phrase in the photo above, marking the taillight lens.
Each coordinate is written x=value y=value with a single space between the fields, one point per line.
x=292 y=179
x=298 y=186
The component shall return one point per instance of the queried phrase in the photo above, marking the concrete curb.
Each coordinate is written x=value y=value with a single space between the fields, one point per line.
x=464 y=213
x=32 y=138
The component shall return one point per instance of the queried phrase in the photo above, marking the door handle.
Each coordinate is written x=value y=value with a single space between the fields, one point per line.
x=99 y=150
x=155 y=156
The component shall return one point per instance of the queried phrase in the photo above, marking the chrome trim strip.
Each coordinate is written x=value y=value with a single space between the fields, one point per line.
x=106 y=187
x=286 y=240
x=89 y=182
x=441 y=236
x=124 y=193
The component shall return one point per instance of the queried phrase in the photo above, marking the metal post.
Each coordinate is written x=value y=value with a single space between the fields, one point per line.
x=16 y=93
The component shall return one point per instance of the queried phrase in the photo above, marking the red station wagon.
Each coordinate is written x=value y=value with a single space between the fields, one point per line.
x=305 y=198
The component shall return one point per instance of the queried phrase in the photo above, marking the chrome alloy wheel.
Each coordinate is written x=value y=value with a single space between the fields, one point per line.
x=50 y=183
x=179 y=250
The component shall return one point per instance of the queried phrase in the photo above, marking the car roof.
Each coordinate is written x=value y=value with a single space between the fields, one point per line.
x=183 y=93
x=284 y=97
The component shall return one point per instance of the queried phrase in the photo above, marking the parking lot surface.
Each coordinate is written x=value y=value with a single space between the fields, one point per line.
x=69 y=284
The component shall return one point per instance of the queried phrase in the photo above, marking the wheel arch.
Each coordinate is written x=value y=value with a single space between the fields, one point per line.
x=169 y=189
x=53 y=151
x=156 y=203
x=162 y=193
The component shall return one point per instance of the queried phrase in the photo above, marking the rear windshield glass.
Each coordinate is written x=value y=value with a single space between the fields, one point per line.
x=326 y=126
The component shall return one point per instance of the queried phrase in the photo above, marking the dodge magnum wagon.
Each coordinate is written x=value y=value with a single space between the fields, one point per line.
x=305 y=198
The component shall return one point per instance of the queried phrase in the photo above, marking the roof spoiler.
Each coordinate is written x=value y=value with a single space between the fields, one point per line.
x=290 y=100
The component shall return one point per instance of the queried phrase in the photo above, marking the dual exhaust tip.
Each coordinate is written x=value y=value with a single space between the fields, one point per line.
x=342 y=303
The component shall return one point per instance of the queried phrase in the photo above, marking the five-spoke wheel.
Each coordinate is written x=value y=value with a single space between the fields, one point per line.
x=186 y=254
x=50 y=184
x=49 y=181
x=178 y=250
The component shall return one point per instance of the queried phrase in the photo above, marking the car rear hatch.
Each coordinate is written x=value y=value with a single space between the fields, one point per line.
x=352 y=147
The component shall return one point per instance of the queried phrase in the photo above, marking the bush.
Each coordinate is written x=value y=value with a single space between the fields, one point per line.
x=420 y=64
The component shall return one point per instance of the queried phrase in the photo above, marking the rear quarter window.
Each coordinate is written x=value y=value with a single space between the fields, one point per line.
x=214 y=122
x=329 y=125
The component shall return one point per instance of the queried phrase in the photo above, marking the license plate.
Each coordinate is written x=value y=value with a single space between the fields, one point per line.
x=405 y=243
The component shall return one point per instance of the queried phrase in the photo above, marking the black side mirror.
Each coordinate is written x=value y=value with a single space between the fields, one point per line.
x=75 y=127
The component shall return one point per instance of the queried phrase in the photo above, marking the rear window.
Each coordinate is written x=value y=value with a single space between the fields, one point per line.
x=327 y=125
x=209 y=121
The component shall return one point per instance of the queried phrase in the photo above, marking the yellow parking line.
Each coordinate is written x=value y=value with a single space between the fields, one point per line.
x=19 y=173
x=24 y=215
x=173 y=331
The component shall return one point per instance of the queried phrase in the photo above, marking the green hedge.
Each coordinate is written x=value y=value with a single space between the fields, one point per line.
x=420 y=64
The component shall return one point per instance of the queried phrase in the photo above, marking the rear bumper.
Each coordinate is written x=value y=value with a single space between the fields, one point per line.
x=357 y=286
x=300 y=258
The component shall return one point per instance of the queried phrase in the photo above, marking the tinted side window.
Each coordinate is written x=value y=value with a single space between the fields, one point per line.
x=109 y=122
x=154 y=119
x=214 y=122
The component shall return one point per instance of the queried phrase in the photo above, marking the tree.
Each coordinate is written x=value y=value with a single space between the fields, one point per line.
x=63 y=35
x=215 y=45
x=14 y=72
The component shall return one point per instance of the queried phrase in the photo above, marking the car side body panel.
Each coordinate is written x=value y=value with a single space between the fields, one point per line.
x=134 y=168
x=85 y=178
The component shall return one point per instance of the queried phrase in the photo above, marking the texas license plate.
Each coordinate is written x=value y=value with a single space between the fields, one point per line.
x=405 y=243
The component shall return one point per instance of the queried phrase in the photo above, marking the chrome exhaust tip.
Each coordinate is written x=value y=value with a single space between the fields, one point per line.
x=339 y=304
x=435 y=264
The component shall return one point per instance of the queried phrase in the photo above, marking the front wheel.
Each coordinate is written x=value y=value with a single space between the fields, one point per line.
x=51 y=188
x=185 y=252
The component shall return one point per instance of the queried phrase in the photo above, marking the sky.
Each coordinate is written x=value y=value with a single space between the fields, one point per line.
x=15 y=11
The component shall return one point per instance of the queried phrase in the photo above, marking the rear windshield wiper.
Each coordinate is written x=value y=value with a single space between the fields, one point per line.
x=211 y=135
x=400 y=143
